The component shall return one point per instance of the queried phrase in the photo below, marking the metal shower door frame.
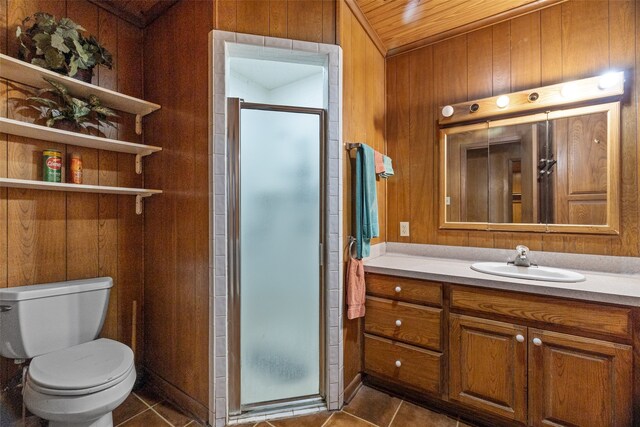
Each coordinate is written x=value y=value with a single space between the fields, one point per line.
x=234 y=108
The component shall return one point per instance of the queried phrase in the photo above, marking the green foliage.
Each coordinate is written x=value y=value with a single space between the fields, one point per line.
x=60 y=105
x=59 y=45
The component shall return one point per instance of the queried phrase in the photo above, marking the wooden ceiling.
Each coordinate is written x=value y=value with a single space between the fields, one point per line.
x=400 y=23
x=137 y=12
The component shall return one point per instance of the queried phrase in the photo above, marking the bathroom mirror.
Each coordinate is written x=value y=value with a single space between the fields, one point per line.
x=549 y=172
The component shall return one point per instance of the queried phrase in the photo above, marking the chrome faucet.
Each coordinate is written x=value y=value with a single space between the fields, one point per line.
x=522 y=258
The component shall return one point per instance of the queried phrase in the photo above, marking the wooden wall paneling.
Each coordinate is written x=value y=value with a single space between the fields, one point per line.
x=363 y=121
x=308 y=20
x=36 y=219
x=130 y=225
x=480 y=64
x=501 y=50
x=479 y=85
x=176 y=275
x=392 y=147
x=304 y=20
x=201 y=221
x=398 y=207
x=57 y=236
x=182 y=174
x=372 y=75
x=622 y=56
x=253 y=17
x=355 y=104
x=585 y=38
x=278 y=18
x=82 y=209
x=226 y=15
x=347 y=76
x=3 y=161
x=551 y=72
x=352 y=329
x=329 y=21
x=449 y=86
x=4 y=373
x=636 y=78
x=585 y=52
x=376 y=82
x=551 y=45
x=525 y=52
x=420 y=131
x=108 y=175
x=159 y=280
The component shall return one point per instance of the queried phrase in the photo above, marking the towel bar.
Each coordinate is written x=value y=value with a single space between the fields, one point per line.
x=352 y=241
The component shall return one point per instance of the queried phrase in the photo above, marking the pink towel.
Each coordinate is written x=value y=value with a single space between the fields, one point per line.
x=379 y=161
x=355 y=288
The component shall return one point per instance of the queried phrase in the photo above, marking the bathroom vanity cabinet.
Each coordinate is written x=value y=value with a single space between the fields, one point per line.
x=522 y=359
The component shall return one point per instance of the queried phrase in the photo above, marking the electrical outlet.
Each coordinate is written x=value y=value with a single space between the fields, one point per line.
x=404 y=229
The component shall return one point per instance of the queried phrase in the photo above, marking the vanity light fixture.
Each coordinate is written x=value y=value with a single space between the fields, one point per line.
x=608 y=80
x=502 y=101
x=447 y=111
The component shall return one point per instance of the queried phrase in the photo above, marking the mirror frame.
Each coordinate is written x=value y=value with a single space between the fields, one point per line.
x=613 y=173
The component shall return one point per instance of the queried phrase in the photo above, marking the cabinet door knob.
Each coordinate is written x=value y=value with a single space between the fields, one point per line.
x=398 y=363
x=537 y=341
x=398 y=289
x=520 y=338
x=398 y=323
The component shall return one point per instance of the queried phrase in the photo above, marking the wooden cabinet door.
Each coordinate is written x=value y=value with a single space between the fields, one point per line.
x=488 y=366
x=575 y=381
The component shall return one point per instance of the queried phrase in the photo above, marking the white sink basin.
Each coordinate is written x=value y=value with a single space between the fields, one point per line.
x=547 y=274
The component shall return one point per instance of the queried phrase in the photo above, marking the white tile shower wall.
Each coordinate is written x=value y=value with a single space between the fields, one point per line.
x=334 y=233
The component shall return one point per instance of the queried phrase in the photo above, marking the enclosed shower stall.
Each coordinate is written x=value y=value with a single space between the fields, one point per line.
x=276 y=211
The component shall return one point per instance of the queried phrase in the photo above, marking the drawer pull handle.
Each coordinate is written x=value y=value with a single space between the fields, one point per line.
x=398 y=289
x=520 y=338
x=537 y=341
x=398 y=323
x=398 y=363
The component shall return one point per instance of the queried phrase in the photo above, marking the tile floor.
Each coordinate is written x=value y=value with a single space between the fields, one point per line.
x=143 y=407
x=368 y=408
x=146 y=408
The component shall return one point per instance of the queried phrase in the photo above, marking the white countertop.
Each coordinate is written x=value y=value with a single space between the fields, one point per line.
x=611 y=288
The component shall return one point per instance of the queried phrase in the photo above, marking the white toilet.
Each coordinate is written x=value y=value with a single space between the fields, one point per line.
x=74 y=379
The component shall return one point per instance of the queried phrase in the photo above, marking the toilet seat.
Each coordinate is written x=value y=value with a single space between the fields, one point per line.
x=82 y=369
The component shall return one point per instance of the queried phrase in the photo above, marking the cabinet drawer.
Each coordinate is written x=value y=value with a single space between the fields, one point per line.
x=580 y=315
x=402 y=289
x=418 y=368
x=401 y=321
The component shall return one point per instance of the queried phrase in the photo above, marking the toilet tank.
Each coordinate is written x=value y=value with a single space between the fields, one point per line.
x=39 y=319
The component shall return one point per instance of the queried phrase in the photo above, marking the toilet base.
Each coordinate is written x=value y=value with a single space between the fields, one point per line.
x=103 y=421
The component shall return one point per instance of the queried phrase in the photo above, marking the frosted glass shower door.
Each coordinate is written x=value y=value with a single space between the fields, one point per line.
x=279 y=240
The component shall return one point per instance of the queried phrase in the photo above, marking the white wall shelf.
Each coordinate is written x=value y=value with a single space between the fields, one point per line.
x=29 y=74
x=140 y=193
x=30 y=130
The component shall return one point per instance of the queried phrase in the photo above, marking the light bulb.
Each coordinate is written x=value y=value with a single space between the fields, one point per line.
x=502 y=101
x=608 y=80
x=447 y=111
x=569 y=91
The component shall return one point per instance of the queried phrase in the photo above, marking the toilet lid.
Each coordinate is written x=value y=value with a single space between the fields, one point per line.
x=94 y=365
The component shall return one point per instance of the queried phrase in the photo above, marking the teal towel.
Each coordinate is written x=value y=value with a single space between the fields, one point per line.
x=366 y=200
x=388 y=168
